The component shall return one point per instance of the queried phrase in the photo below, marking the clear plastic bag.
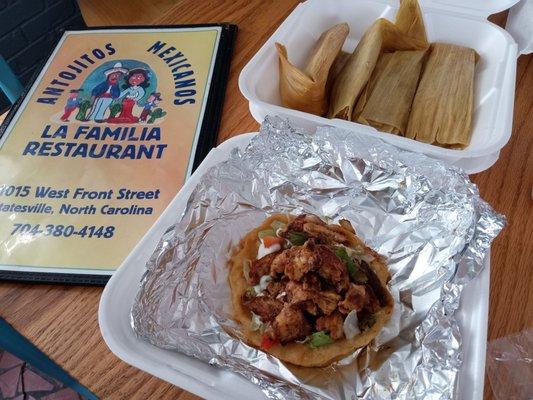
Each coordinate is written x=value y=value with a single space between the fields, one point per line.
x=510 y=366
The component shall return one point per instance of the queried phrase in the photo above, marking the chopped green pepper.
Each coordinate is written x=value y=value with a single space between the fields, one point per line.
x=355 y=271
x=297 y=238
x=319 y=339
x=266 y=232
x=346 y=259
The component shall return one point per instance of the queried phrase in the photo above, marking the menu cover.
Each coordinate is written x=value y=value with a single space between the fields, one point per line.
x=102 y=141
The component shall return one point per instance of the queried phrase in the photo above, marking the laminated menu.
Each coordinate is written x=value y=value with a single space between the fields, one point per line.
x=101 y=142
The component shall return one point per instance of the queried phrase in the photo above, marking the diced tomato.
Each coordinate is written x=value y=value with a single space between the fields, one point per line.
x=267 y=342
x=272 y=240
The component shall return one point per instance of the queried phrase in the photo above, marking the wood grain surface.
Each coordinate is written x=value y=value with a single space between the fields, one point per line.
x=62 y=320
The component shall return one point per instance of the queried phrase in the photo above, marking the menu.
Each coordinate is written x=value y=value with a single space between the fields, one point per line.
x=100 y=144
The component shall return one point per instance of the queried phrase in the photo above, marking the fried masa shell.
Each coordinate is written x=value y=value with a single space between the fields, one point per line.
x=301 y=353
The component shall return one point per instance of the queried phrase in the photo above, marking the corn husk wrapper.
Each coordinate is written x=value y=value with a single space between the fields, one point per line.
x=365 y=94
x=337 y=66
x=410 y=21
x=305 y=89
x=389 y=103
x=382 y=36
x=444 y=101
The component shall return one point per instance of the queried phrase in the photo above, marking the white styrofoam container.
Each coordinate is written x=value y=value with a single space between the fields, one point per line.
x=216 y=383
x=458 y=22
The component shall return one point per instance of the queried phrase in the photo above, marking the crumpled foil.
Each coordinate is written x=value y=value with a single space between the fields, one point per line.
x=426 y=217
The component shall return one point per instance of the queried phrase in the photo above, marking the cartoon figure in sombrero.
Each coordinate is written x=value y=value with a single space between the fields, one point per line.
x=136 y=80
x=104 y=93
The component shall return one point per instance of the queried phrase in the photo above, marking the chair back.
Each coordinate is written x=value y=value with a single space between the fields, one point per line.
x=9 y=83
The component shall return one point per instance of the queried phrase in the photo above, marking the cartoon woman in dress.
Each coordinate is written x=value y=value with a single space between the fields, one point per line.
x=136 y=80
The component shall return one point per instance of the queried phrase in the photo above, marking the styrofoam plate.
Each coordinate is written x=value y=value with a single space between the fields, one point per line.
x=446 y=21
x=216 y=383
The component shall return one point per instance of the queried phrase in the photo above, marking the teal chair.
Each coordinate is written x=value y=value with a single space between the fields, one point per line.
x=9 y=83
x=19 y=346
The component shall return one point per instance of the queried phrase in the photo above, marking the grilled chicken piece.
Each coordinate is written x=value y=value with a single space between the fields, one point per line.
x=326 y=234
x=311 y=308
x=333 y=324
x=373 y=303
x=297 y=223
x=275 y=288
x=298 y=295
x=346 y=225
x=290 y=324
x=374 y=283
x=327 y=301
x=332 y=269
x=309 y=299
x=357 y=297
x=261 y=267
x=311 y=281
x=266 y=307
x=295 y=262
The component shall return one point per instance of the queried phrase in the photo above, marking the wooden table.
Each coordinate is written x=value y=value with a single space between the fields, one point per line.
x=62 y=320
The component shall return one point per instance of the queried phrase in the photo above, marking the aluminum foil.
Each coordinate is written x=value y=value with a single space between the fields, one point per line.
x=426 y=217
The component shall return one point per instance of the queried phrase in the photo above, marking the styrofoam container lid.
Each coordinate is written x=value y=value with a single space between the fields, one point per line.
x=456 y=22
x=217 y=383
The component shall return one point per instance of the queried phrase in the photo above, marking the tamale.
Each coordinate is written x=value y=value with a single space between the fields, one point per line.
x=410 y=21
x=443 y=105
x=337 y=66
x=389 y=103
x=305 y=89
x=335 y=69
x=382 y=36
x=365 y=94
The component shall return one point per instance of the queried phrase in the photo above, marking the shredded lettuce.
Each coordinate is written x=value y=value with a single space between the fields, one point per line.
x=256 y=322
x=351 y=325
x=277 y=225
x=319 y=339
x=266 y=232
x=263 y=283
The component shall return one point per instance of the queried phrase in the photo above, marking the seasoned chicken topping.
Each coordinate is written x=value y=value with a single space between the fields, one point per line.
x=312 y=283
x=332 y=324
x=266 y=307
x=325 y=234
x=301 y=297
x=295 y=262
x=297 y=293
x=347 y=225
x=290 y=324
x=332 y=269
x=327 y=301
x=309 y=299
x=356 y=299
x=297 y=223
x=276 y=288
x=261 y=267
